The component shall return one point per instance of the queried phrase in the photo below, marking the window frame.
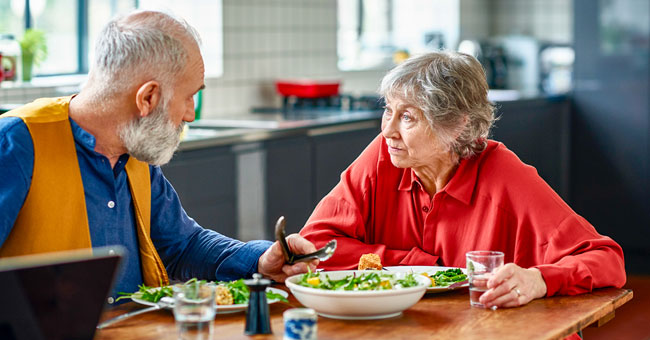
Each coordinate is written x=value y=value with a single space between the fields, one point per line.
x=82 y=15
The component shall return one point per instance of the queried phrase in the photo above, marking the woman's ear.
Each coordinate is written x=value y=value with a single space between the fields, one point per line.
x=148 y=97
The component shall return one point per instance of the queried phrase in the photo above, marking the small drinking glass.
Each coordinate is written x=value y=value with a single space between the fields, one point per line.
x=194 y=310
x=480 y=267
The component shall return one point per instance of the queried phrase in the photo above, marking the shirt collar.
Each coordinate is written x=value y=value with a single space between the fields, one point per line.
x=461 y=185
x=88 y=142
x=409 y=180
x=82 y=137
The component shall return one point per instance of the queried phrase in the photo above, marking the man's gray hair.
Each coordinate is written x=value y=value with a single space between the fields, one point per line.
x=142 y=46
x=451 y=90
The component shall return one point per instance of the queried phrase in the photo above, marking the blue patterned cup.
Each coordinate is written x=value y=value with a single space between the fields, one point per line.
x=300 y=324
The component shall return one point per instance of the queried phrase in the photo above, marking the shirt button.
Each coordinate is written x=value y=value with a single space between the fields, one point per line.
x=425 y=209
x=111 y=252
x=110 y=300
x=111 y=204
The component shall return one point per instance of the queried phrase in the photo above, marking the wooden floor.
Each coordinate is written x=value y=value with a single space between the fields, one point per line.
x=632 y=320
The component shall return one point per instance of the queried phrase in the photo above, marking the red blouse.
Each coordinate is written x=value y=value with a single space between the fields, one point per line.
x=493 y=202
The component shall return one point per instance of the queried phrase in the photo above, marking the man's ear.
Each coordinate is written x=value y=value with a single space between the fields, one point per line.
x=147 y=97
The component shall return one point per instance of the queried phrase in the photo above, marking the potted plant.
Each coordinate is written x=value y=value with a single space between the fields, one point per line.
x=34 y=50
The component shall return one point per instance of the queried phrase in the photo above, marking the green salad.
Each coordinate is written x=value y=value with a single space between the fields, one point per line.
x=237 y=289
x=357 y=282
x=444 y=278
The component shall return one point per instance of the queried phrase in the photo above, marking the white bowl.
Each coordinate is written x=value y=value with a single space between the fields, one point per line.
x=357 y=305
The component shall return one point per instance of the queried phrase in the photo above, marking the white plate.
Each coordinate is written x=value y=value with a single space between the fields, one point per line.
x=356 y=305
x=223 y=309
x=429 y=270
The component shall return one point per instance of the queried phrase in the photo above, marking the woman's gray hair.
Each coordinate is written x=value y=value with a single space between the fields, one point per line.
x=144 y=45
x=451 y=90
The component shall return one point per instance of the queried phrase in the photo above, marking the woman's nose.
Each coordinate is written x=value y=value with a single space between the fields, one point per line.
x=388 y=128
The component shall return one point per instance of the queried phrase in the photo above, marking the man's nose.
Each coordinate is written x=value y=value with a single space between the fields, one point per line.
x=189 y=116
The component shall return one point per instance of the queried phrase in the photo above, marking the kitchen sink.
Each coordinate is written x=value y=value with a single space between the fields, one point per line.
x=244 y=123
x=204 y=132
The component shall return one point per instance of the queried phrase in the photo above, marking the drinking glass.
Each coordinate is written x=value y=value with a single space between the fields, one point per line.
x=480 y=267
x=194 y=310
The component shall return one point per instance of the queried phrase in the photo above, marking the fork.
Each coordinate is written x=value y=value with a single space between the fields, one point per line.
x=165 y=302
x=322 y=254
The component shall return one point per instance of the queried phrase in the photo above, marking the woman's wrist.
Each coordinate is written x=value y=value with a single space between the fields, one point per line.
x=540 y=283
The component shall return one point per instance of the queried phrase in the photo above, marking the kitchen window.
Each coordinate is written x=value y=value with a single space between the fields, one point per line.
x=71 y=27
x=371 y=33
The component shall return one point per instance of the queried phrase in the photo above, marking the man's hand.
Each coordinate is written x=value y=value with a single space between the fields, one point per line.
x=513 y=286
x=272 y=265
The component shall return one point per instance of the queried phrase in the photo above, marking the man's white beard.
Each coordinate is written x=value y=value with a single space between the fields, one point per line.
x=153 y=138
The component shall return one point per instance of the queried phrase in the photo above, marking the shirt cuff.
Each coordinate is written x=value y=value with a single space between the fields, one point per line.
x=418 y=257
x=242 y=263
x=553 y=277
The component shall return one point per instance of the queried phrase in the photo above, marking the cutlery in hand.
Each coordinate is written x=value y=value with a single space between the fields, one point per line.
x=291 y=258
x=163 y=303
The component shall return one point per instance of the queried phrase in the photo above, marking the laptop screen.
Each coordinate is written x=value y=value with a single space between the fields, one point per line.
x=55 y=295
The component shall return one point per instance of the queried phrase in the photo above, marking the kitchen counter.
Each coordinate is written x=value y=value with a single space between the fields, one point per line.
x=256 y=127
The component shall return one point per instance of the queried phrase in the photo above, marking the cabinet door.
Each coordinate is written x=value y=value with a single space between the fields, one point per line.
x=333 y=153
x=205 y=182
x=610 y=167
x=538 y=131
x=288 y=183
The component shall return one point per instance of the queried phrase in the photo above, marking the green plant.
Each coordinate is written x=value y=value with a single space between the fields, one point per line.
x=33 y=47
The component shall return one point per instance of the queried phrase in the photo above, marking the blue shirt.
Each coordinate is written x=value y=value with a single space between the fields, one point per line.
x=186 y=249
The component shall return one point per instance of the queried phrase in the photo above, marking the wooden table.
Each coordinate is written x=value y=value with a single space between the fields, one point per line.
x=443 y=315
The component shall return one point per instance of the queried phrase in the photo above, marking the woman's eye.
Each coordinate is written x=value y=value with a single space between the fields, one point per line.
x=407 y=117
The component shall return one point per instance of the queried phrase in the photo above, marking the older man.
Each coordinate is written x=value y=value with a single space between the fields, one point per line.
x=82 y=171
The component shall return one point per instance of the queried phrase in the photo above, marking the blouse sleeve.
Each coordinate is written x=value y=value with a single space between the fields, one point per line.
x=579 y=259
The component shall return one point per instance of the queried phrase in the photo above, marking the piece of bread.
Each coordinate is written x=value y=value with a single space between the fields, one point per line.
x=223 y=296
x=370 y=261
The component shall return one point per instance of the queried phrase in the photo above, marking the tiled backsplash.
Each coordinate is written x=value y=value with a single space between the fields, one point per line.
x=547 y=20
x=269 y=39
x=17 y=95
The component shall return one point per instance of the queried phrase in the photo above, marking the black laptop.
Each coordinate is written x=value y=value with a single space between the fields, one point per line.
x=55 y=295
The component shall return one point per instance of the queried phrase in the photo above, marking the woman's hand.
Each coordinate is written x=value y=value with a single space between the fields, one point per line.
x=513 y=286
x=272 y=265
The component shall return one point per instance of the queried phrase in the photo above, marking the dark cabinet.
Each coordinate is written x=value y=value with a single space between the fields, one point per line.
x=538 y=131
x=301 y=170
x=333 y=153
x=611 y=123
x=288 y=182
x=205 y=182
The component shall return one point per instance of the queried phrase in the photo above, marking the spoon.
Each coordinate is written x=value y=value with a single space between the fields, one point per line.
x=291 y=258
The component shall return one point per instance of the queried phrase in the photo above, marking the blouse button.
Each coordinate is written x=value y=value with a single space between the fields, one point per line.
x=425 y=209
x=111 y=204
x=110 y=300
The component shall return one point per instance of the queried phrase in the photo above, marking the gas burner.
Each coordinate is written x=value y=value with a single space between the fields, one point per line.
x=330 y=103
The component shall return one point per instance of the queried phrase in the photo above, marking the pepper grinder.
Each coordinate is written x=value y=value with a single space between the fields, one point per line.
x=257 y=316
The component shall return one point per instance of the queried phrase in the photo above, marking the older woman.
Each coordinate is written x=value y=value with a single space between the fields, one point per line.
x=432 y=187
